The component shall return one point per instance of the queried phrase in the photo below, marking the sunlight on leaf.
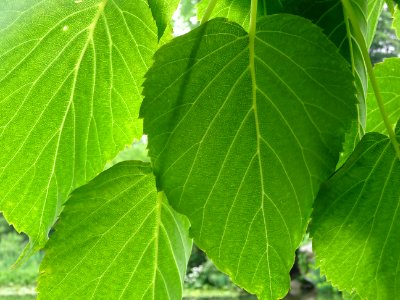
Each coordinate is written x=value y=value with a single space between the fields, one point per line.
x=355 y=222
x=70 y=92
x=243 y=157
x=117 y=238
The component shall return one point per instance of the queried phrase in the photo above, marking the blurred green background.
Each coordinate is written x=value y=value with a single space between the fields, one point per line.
x=203 y=280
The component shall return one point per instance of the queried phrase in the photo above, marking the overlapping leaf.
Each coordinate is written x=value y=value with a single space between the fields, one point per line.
x=374 y=11
x=388 y=77
x=239 y=11
x=330 y=17
x=355 y=223
x=117 y=239
x=243 y=156
x=162 y=11
x=70 y=91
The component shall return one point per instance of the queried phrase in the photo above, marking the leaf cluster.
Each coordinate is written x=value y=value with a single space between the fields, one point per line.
x=264 y=122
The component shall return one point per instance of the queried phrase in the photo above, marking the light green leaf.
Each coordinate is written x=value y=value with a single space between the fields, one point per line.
x=374 y=11
x=70 y=91
x=117 y=239
x=243 y=156
x=396 y=21
x=388 y=77
x=355 y=222
x=162 y=11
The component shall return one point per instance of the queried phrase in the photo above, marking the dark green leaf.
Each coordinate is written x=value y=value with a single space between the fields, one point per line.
x=117 y=239
x=243 y=157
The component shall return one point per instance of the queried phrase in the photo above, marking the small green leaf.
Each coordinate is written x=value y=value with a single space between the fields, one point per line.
x=70 y=92
x=117 y=238
x=374 y=11
x=243 y=155
x=355 y=222
x=396 y=21
x=388 y=77
x=162 y=11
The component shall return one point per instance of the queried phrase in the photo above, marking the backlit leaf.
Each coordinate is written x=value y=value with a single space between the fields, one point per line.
x=70 y=91
x=327 y=14
x=243 y=156
x=388 y=76
x=162 y=11
x=355 y=222
x=117 y=239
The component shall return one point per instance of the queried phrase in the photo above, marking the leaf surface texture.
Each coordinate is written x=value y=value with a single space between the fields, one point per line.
x=388 y=77
x=70 y=92
x=117 y=239
x=243 y=156
x=355 y=222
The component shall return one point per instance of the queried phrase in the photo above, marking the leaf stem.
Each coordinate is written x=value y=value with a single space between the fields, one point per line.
x=253 y=20
x=209 y=11
x=370 y=70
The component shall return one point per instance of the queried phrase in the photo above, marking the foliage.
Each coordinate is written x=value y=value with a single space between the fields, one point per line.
x=246 y=119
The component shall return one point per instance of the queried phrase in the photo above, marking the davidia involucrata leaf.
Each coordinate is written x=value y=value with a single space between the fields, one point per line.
x=117 y=238
x=388 y=76
x=241 y=135
x=70 y=91
x=355 y=223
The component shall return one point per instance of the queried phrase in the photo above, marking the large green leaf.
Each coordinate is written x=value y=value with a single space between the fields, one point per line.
x=355 y=223
x=243 y=155
x=70 y=91
x=328 y=14
x=162 y=11
x=388 y=77
x=117 y=239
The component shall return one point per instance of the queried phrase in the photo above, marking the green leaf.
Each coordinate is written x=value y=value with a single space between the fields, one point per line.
x=162 y=11
x=117 y=239
x=243 y=156
x=374 y=11
x=70 y=92
x=355 y=222
x=326 y=14
x=388 y=77
x=239 y=11
x=396 y=21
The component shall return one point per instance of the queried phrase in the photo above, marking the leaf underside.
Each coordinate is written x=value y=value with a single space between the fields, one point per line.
x=162 y=12
x=70 y=92
x=355 y=222
x=243 y=158
x=388 y=77
x=117 y=238
x=329 y=16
